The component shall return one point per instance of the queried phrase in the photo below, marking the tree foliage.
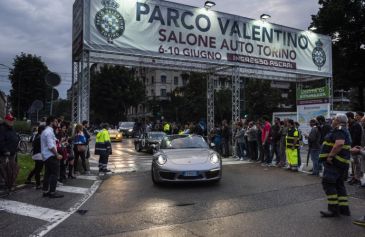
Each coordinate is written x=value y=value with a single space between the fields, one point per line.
x=344 y=21
x=260 y=98
x=28 y=83
x=62 y=107
x=113 y=90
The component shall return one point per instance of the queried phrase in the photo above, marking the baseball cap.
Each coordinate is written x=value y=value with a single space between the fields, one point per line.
x=9 y=117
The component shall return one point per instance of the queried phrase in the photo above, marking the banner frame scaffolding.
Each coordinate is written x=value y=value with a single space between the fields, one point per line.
x=85 y=53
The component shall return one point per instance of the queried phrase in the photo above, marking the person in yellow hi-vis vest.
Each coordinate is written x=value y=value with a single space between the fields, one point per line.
x=167 y=128
x=292 y=146
x=103 y=148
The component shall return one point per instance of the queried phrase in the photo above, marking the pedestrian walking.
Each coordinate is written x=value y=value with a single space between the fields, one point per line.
x=265 y=139
x=275 y=141
x=252 y=140
x=51 y=159
x=292 y=146
x=38 y=159
x=9 y=141
x=335 y=155
x=103 y=148
x=80 y=147
x=314 y=145
x=356 y=132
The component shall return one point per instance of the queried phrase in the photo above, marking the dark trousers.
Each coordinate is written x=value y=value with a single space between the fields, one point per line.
x=268 y=157
x=261 y=152
x=78 y=156
x=103 y=161
x=253 y=149
x=240 y=149
x=51 y=174
x=63 y=166
x=334 y=187
x=225 y=147
x=36 y=172
x=275 y=150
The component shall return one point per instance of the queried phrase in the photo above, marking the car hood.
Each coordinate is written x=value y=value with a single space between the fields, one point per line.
x=187 y=156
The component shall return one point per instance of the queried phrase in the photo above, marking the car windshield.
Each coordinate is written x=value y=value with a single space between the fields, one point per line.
x=156 y=136
x=127 y=124
x=113 y=131
x=183 y=142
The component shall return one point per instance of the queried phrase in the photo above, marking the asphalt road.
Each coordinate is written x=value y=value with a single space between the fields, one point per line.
x=249 y=201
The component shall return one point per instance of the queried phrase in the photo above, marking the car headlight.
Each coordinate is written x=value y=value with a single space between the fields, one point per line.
x=214 y=159
x=161 y=160
x=130 y=130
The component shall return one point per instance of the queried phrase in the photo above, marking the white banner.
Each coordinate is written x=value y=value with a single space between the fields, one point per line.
x=169 y=29
x=310 y=111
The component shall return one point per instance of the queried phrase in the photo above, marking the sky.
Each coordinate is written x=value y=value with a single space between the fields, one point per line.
x=44 y=27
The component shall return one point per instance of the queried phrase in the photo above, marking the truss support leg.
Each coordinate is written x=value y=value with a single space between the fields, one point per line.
x=74 y=95
x=83 y=87
x=235 y=102
x=210 y=103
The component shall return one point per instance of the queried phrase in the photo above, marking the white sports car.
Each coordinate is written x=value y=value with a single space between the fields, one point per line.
x=185 y=158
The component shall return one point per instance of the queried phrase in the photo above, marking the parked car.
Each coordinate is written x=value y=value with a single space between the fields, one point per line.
x=185 y=158
x=115 y=135
x=127 y=128
x=149 y=141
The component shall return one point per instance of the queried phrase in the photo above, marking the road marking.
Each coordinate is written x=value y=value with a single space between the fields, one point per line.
x=72 y=189
x=88 y=177
x=91 y=161
x=48 y=227
x=24 y=209
x=94 y=168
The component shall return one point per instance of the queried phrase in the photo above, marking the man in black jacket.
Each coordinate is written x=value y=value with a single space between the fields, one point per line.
x=356 y=134
x=8 y=140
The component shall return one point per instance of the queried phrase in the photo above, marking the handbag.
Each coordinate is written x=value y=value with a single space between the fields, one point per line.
x=81 y=148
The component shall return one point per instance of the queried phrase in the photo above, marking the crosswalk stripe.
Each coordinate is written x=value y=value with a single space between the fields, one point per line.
x=88 y=177
x=72 y=189
x=24 y=209
x=94 y=168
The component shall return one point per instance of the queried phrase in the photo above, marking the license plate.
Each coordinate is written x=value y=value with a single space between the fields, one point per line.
x=190 y=173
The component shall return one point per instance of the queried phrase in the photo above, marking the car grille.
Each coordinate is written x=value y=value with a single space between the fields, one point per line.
x=167 y=175
x=190 y=177
x=211 y=174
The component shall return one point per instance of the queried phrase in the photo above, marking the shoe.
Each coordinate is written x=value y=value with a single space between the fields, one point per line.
x=45 y=194
x=106 y=171
x=55 y=195
x=354 y=181
x=328 y=214
x=360 y=222
x=237 y=158
x=59 y=184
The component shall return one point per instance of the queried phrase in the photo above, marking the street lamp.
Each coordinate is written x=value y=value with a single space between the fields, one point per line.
x=265 y=17
x=209 y=4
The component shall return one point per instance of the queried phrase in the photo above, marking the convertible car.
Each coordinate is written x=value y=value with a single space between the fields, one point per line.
x=185 y=158
x=148 y=141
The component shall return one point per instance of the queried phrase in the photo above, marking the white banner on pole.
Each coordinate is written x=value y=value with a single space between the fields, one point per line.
x=166 y=29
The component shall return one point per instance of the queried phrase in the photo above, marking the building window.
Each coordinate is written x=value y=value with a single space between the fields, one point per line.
x=185 y=81
x=176 y=81
x=152 y=92
x=163 y=79
x=163 y=92
x=215 y=83
x=152 y=79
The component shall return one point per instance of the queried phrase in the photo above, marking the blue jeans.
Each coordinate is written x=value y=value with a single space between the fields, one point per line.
x=241 y=149
x=315 y=160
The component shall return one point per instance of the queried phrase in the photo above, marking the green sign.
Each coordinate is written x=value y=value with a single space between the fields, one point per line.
x=310 y=94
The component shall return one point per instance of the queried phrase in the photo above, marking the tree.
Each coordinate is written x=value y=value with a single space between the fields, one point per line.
x=28 y=82
x=188 y=103
x=223 y=105
x=344 y=21
x=113 y=90
x=62 y=107
x=261 y=99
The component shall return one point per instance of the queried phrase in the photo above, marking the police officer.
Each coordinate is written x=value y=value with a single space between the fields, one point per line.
x=292 y=146
x=335 y=155
x=103 y=148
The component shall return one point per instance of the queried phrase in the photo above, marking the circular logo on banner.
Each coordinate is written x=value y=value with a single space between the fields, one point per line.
x=318 y=55
x=109 y=22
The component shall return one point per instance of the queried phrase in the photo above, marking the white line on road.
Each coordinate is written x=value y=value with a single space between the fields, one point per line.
x=24 y=209
x=91 y=161
x=94 y=168
x=72 y=189
x=48 y=227
x=88 y=177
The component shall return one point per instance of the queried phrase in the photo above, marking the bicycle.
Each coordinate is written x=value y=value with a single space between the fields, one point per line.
x=22 y=144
